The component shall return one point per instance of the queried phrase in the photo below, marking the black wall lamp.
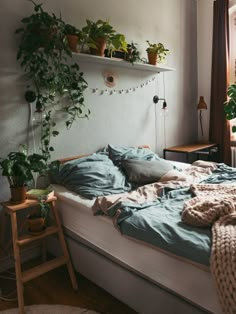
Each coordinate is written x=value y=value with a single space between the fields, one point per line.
x=156 y=99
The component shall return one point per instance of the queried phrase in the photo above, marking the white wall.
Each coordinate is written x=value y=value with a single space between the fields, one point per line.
x=127 y=119
x=204 y=37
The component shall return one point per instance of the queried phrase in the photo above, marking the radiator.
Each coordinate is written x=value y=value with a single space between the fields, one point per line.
x=233 y=156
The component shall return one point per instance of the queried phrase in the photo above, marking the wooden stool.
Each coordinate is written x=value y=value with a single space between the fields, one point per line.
x=24 y=276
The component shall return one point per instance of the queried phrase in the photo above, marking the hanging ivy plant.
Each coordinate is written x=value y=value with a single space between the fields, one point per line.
x=45 y=57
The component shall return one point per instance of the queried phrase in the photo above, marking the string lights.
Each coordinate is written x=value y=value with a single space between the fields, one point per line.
x=100 y=91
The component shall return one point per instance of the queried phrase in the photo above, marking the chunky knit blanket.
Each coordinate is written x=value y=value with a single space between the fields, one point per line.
x=216 y=205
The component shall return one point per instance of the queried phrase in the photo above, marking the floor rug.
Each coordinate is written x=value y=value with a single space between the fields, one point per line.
x=50 y=309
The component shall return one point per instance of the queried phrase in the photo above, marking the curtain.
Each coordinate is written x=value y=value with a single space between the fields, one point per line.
x=219 y=126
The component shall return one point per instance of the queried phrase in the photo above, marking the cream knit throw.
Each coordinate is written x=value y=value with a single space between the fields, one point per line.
x=215 y=205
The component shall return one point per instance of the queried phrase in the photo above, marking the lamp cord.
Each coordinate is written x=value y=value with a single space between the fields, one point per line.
x=200 y=119
x=31 y=131
x=155 y=107
x=164 y=128
x=164 y=109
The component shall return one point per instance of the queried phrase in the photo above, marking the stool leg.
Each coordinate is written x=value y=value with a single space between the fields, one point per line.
x=17 y=263
x=2 y=236
x=64 y=247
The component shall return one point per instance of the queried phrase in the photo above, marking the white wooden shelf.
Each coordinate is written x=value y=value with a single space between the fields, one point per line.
x=87 y=58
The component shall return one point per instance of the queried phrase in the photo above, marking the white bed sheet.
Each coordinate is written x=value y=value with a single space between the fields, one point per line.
x=180 y=277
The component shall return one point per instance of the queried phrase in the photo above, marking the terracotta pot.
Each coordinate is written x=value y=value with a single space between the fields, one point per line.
x=18 y=195
x=73 y=41
x=36 y=224
x=101 y=46
x=152 y=58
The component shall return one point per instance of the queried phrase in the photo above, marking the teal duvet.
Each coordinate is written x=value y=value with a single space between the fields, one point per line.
x=159 y=223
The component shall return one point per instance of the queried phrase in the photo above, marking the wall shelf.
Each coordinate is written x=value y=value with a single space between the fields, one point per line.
x=86 y=58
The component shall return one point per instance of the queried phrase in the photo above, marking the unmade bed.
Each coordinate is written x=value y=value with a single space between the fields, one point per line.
x=141 y=276
x=145 y=277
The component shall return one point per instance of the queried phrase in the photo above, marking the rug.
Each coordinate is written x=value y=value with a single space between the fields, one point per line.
x=50 y=309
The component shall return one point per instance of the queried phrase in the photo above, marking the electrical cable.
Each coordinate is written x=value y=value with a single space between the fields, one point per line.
x=164 y=108
x=164 y=87
x=155 y=107
x=164 y=121
x=5 y=298
x=32 y=127
x=31 y=131
x=8 y=278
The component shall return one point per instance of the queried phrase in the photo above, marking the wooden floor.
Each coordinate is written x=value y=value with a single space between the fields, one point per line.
x=54 y=288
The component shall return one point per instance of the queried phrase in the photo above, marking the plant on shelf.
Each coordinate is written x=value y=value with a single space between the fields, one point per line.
x=133 y=54
x=230 y=104
x=117 y=46
x=101 y=35
x=38 y=219
x=156 y=53
x=19 y=167
x=53 y=78
x=73 y=36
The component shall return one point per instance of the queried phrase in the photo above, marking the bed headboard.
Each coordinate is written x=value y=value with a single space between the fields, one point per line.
x=63 y=160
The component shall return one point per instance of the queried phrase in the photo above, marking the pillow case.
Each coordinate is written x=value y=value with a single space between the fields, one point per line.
x=144 y=171
x=117 y=154
x=92 y=176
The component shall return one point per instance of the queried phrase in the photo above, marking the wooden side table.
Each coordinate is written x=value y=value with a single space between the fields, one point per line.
x=24 y=276
x=199 y=149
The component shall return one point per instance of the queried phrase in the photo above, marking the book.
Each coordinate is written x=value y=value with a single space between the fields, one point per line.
x=41 y=194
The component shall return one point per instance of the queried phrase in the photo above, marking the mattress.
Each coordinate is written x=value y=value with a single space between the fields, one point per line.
x=181 y=277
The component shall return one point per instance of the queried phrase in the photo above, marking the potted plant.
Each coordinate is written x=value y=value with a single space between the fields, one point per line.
x=156 y=53
x=117 y=46
x=230 y=104
x=18 y=167
x=40 y=30
x=73 y=36
x=97 y=35
x=37 y=220
x=132 y=55
x=52 y=75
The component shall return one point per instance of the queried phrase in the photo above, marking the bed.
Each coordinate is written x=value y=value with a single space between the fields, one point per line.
x=148 y=278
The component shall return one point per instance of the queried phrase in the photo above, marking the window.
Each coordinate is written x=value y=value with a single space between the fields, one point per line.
x=232 y=62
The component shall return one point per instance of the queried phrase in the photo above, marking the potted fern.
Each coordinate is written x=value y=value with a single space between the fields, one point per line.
x=156 y=53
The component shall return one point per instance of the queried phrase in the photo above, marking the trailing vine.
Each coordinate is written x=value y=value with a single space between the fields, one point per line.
x=45 y=58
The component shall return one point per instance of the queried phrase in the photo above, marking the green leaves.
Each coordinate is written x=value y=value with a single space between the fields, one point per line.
x=55 y=133
x=159 y=49
x=18 y=167
x=44 y=56
x=230 y=104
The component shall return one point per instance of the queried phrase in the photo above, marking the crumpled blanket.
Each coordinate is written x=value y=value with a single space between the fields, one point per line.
x=212 y=201
x=216 y=205
x=174 y=179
